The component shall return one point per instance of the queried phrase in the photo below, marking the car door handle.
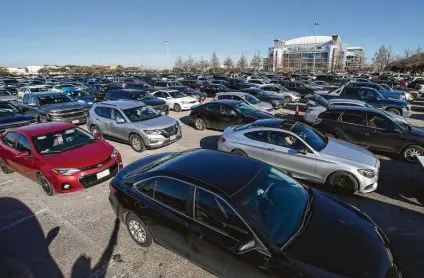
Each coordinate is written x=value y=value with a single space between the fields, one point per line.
x=270 y=149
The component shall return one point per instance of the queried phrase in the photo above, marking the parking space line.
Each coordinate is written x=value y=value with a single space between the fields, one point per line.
x=5 y=182
x=13 y=224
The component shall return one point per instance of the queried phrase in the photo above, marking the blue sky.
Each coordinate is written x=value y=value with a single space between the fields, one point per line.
x=130 y=32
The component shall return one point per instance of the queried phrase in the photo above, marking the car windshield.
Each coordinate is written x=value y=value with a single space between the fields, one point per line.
x=63 y=140
x=7 y=108
x=177 y=94
x=244 y=109
x=187 y=90
x=4 y=93
x=78 y=94
x=144 y=96
x=36 y=90
x=141 y=113
x=53 y=99
x=276 y=204
x=314 y=138
x=267 y=93
x=251 y=99
x=174 y=83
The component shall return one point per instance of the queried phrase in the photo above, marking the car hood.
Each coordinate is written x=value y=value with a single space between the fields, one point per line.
x=340 y=239
x=259 y=115
x=392 y=95
x=87 y=155
x=86 y=98
x=153 y=102
x=349 y=152
x=187 y=98
x=8 y=98
x=9 y=119
x=157 y=123
x=63 y=106
x=263 y=105
x=417 y=131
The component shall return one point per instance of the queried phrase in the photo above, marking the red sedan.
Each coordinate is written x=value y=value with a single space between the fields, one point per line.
x=59 y=156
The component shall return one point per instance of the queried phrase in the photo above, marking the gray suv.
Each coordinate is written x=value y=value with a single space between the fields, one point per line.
x=133 y=122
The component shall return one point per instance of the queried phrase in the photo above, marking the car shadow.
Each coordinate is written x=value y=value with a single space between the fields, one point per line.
x=24 y=248
x=417 y=116
x=210 y=142
x=187 y=121
x=292 y=106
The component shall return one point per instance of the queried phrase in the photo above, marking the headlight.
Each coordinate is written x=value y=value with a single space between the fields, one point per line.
x=66 y=171
x=184 y=102
x=153 y=132
x=368 y=173
x=114 y=153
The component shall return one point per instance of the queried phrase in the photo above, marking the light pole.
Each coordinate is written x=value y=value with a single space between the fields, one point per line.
x=315 y=48
x=167 y=56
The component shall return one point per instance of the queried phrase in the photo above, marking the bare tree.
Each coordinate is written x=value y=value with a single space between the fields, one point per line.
x=229 y=63
x=242 y=63
x=256 y=62
x=189 y=64
x=383 y=57
x=203 y=64
x=179 y=64
x=214 y=62
x=408 y=52
x=418 y=50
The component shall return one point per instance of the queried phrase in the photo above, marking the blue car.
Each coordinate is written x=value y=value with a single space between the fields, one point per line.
x=389 y=94
x=81 y=96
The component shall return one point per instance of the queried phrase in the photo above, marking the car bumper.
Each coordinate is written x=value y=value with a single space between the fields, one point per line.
x=367 y=185
x=406 y=113
x=87 y=178
x=158 y=141
x=74 y=120
x=188 y=106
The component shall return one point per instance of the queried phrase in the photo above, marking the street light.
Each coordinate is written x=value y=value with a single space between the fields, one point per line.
x=167 y=57
x=316 y=32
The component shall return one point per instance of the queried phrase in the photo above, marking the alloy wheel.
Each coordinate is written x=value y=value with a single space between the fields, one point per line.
x=45 y=184
x=137 y=231
x=200 y=124
x=342 y=181
x=411 y=153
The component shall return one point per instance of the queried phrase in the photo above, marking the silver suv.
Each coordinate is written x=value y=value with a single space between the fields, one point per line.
x=133 y=122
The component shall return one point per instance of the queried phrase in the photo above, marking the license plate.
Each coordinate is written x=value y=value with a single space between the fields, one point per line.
x=75 y=121
x=172 y=137
x=103 y=174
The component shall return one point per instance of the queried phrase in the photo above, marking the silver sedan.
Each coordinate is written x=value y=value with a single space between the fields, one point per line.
x=305 y=153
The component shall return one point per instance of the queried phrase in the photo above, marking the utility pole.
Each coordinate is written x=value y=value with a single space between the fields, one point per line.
x=167 y=56
x=315 y=48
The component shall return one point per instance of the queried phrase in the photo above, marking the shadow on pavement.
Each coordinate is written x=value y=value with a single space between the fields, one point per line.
x=210 y=142
x=24 y=249
x=187 y=121
x=417 y=116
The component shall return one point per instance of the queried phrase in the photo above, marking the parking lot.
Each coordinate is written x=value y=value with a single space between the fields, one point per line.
x=76 y=234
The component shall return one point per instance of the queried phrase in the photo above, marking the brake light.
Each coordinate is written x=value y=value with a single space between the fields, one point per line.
x=112 y=189
x=222 y=140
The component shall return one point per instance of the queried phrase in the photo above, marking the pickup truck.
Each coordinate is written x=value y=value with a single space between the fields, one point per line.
x=374 y=98
x=12 y=116
x=53 y=106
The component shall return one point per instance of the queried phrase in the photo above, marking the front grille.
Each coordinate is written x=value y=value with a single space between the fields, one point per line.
x=90 y=180
x=15 y=124
x=67 y=113
x=98 y=165
x=169 y=131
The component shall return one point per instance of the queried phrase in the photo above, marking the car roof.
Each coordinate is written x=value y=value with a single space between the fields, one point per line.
x=42 y=94
x=354 y=108
x=233 y=93
x=43 y=128
x=225 y=101
x=127 y=91
x=274 y=123
x=35 y=86
x=122 y=104
x=165 y=90
x=346 y=100
x=218 y=172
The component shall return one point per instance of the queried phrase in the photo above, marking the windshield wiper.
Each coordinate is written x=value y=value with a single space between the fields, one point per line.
x=49 y=152
x=76 y=146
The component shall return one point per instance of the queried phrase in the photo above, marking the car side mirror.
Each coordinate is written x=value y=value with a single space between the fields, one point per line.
x=302 y=151
x=246 y=246
x=23 y=154
x=120 y=121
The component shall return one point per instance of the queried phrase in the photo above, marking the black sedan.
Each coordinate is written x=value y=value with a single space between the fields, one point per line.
x=221 y=114
x=131 y=94
x=212 y=89
x=374 y=129
x=190 y=92
x=253 y=221
x=275 y=100
x=100 y=90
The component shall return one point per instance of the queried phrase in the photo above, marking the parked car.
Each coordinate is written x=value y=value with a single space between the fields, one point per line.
x=276 y=100
x=53 y=106
x=386 y=93
x=160 y=84
x=212 y=89
x=100 y=90
x=331 y=79
x=305 y=153
x=59 y=156
x=416 y=82
x=176 y=100
x=248 y=99
x=64 y=88
x=5 y=95
x=374 y=98
x=289 y=96
x=237 y=84
x=134 y=123
x=31 y=89
x=12 y=116
x=409 y=96
x=298 y=86
x=251 y=222
x=221 y=114
x=129 y=94
x=194 y=84
x=188 y=91
x=82 y=97
x=137 y=86
x=373 y=129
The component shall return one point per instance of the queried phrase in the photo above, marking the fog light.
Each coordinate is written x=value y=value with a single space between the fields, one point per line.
x=153 y=141
x=66 y=186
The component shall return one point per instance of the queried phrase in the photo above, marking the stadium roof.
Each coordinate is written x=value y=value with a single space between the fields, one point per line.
x=309 y=40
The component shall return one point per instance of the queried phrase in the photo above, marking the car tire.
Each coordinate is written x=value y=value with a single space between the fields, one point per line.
x=138 y=231
x=411 y=151
x=344 y=181
x=42 y=119
x=393 y=111
x=45 y=184
x=199 y=124
x=239 y=153
x=177 y=107
x=287 y=100
x=94 y=129
x=4 y=167
x=137 y=144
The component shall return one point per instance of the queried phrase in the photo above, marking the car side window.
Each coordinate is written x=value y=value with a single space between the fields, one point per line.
x=32 y=100
x=10 y=139
x=117 y=115
x=285 y=140
x=212 y=211
x=26 y=98
x=367 y=94
x=213 y=107
x=227 y=111
x=147 y=187
x=172 y=192
x=331 y=116
x=23 y=144
x=104 y=112
x=353 y=118
x=261 y=136
x=376 y=121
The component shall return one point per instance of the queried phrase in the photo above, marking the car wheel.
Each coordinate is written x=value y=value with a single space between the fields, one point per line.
x=199 y=124
x=393 y=111
x=410 y=153
x=287 y=100
x=345 y=181
x=96 y=130
x=239 y=152
x=4 y=167
x=138 y=231
x=45 y=184
x=137 y=143
x=177 y=107
x=42 y=119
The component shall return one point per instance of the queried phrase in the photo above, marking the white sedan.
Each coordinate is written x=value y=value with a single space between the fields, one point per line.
x=176 y=100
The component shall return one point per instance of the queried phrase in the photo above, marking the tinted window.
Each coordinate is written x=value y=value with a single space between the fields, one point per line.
x=284 y=140
x=213 y=211
x=353 y=118
x=367 y=94
x=213 y=107
x=23 y=144
x=103 y=111
x=147 y=187
x=172 y=193
x=117 y=115
x=227 y=111
x=257 y=135
x=226 y=97
x=26 y=98
x=349 y=92
x=332 y=116
x=10 y=138
x=376 y=121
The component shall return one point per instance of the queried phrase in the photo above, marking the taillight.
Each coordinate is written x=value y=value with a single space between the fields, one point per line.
x=112 y=189
x=222 y=140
